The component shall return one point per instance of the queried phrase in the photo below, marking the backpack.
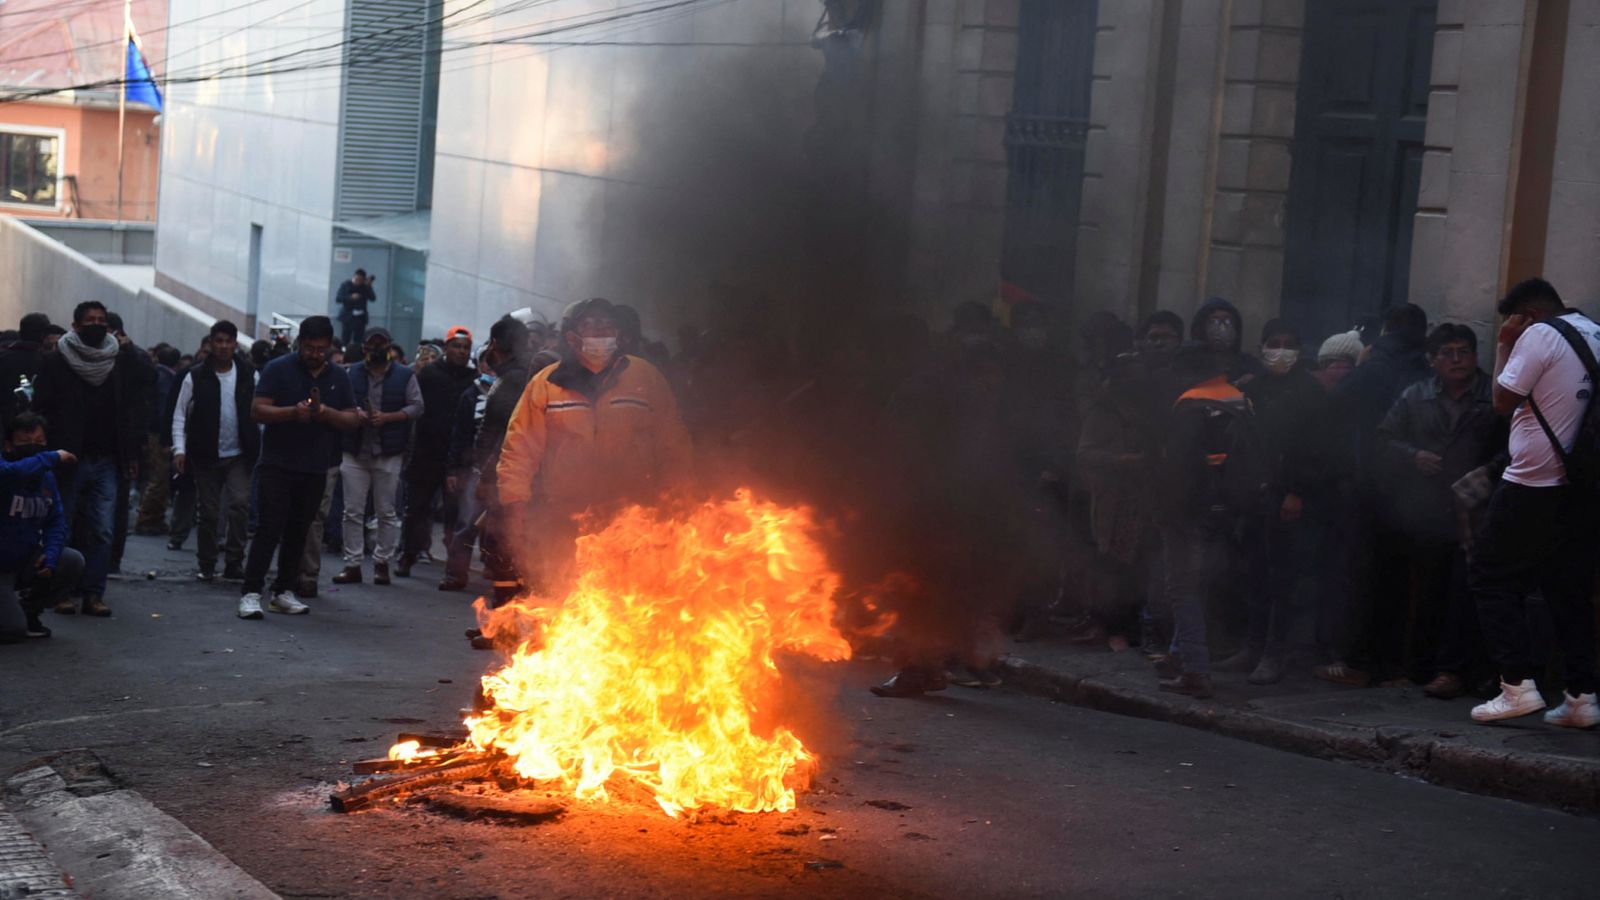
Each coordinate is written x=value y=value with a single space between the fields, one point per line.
x=1217 y=453
x=1582 y=462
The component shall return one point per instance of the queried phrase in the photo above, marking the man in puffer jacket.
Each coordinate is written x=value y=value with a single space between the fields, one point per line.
x=592 y=432
x=34 y=558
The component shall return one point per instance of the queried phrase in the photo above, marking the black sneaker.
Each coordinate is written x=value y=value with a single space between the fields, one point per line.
x=174 y=545
x=36 y=628
x=233 y=572
x=205 y=575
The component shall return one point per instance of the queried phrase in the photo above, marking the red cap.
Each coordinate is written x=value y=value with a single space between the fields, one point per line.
x=458 y=331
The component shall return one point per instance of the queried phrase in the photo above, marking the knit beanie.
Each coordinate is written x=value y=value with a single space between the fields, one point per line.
x=1347 y=345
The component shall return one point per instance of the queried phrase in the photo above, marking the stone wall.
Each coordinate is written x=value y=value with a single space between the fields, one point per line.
x=1187 y=174
x=958 y=184
x=1461 y=222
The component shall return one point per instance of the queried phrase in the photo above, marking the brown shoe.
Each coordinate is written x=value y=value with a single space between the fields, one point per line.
x=1445 y=686
x=380 y=573
x=306 y=589
x=453 y=584
x=1189 y=685
x=350 y=575
x=93 y=605
x=66 y=607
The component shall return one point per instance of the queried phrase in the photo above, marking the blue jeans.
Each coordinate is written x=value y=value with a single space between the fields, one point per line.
x=89 y=493
x=1198 y=557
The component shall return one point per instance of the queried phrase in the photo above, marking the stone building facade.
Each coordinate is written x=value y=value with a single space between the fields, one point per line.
x=1316 y=159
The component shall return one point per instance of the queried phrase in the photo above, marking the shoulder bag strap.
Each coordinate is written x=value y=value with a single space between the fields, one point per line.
x=1580 y=346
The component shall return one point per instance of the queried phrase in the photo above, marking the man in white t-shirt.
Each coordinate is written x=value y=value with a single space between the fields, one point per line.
x=214 y=437
x=1538 y=532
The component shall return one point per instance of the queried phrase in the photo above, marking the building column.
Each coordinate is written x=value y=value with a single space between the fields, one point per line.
x=1572 y=248
x=1463 y=216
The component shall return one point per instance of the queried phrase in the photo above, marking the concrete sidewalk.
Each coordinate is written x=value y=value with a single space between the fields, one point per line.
x=1398 y=729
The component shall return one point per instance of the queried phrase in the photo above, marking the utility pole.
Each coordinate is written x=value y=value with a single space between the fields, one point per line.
x=122 y=97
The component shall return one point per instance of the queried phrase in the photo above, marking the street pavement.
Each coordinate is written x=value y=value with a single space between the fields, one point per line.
x=240 y=729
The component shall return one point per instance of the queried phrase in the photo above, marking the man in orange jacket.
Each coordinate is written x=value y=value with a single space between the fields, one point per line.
x=593 y=432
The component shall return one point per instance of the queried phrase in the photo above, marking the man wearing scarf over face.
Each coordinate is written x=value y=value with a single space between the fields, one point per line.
x=593 y=432
x=88 y=392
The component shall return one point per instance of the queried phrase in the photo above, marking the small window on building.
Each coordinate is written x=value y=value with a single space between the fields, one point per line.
x=28 y=168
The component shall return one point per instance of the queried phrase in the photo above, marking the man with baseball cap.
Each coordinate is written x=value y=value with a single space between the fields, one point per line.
x=1539 y=533
x=442 y=385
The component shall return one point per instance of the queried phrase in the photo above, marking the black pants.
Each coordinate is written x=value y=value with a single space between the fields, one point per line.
x=1446 y=636
x=1537 y=538
x=354 y=331
x=289 y=501
x=424 y=479
x=119 y=524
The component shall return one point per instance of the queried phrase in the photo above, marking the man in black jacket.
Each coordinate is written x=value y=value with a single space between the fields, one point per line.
x=509 y=356
x=353 y=298
x=214 y=440
x=1377 y=558
x=20 y=361
x=442 y=385
x=1441 y=429
x=1294 y=515
x=90 y=392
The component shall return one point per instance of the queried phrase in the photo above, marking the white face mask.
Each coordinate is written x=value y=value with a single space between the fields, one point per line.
x=1280 y=361
x=598 y=351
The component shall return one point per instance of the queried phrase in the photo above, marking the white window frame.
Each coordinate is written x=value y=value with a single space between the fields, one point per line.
x=60 y=134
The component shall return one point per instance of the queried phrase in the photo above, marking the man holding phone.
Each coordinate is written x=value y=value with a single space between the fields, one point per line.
x=304 y=402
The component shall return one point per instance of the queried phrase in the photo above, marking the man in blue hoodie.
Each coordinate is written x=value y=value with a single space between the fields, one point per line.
x=35 y=562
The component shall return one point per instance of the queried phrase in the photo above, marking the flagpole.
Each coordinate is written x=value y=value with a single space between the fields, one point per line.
x=122 y=98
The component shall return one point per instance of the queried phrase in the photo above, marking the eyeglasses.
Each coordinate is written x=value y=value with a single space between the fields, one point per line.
x=1455 y=353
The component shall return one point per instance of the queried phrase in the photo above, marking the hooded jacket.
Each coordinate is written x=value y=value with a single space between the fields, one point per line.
x=577 y=439
x=1239 y=365
x=32 y=511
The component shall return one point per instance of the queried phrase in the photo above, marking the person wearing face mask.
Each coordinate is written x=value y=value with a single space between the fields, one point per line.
x=462 y=464
x=596 y=430
x=1217 y=330
x=91 y=392
x=34 y=559
x=1290 y=526
x=442 y=384
x=389 y=399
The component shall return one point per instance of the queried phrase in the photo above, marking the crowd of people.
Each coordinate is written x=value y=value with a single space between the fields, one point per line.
x=1374 y=506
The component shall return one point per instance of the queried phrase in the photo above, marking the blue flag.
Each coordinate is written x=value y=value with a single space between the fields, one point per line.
x=141 y=86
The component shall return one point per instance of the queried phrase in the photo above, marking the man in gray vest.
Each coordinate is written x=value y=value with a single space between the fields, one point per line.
x=388 y=398
x=215 y=440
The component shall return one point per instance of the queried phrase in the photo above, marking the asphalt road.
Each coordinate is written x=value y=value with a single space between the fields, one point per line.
x=238 y=729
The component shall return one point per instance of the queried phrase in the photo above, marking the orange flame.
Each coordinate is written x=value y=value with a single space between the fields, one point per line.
x=659 y=665
x=410 y=751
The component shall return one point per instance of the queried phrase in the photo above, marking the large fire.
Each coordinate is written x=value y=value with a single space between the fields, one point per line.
x=659 y=665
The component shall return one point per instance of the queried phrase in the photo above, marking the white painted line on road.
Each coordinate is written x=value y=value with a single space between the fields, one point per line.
x=46 y=723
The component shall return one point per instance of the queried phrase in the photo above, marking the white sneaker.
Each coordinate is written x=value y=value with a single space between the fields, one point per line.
x=1514 y=700
x=285 y=602
x=250 y=606
x=1579 y=711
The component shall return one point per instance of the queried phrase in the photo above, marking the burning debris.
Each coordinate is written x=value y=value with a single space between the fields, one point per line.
x=658 y=670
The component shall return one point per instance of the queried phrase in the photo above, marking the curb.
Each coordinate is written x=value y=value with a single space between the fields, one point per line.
x=1525 y=777
x=114 y=844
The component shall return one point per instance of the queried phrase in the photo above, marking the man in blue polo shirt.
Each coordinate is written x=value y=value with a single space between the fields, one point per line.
x=304 y=402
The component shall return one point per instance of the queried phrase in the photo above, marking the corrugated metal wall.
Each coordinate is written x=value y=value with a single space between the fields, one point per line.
x=380 y=131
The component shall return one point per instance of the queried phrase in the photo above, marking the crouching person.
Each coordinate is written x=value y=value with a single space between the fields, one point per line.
x=36 y=567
